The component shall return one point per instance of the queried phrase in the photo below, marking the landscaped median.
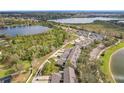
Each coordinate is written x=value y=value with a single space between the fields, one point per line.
x=106 y=58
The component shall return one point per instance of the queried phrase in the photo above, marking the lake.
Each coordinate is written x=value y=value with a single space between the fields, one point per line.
x=117 y=65
x=24 y=30
x=84 y=20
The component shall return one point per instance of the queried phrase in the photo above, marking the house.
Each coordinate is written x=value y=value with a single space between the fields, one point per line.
x=74 y=55
x=83 y=43
x=94 y=53
x=69 y=75
x=101 y=46
x=65 y=76
x=56 y=78
x=95 y=36
x=41 y=79
x=63 y=57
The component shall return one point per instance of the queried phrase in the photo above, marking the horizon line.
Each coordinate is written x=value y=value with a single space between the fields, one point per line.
x=61 y=10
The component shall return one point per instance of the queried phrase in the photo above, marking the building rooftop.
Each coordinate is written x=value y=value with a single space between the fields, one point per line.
x=63 y=57
x=74 y=55
x=69 y=75
x=94 y=53
x=56 y=78
x=41 y=79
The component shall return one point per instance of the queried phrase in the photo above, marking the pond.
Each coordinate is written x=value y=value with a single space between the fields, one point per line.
x=24 y=30
x=117 y=66
x=84 y=20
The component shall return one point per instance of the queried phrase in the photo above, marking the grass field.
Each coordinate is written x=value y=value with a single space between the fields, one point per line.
x=69 y=46
x=104 y=27
x=6 y=72
x=106 y=58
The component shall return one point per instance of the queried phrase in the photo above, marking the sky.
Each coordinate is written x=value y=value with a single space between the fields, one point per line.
x=6 y=5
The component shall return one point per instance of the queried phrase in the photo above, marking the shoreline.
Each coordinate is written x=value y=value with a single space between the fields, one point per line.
x=110 y=51
x=110 y=61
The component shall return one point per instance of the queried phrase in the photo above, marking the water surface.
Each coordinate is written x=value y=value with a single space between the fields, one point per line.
x=24 y=30
x=85 y=20
x=117 y=65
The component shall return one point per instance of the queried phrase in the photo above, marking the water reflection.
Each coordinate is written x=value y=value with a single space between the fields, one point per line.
x=23 y=30
x=117 y=66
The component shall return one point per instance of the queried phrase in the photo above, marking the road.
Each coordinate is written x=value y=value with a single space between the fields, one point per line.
x=98 y=56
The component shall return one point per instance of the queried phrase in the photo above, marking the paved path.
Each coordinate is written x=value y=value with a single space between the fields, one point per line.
x=27 y=81
x=98 y=56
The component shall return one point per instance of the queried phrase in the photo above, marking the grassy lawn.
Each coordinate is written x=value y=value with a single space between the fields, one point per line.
x=21 y=65
x=69 y=46
x=50 y=68
x=21 y=78
x=25 y=64
x=106 y=58
x=37 y=63
x=3 y=73
x=6 y=72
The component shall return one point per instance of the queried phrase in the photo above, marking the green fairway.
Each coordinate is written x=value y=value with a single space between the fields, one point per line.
x=106 y=58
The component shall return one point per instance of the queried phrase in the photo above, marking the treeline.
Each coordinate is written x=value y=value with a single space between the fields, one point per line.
x=18 y=22
x=40 y=15
x=50 y=24
x=12 y=22
x=89 y=71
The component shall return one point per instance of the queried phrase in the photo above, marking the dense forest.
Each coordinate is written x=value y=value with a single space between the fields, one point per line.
x=40 y=15
x=23 y=49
